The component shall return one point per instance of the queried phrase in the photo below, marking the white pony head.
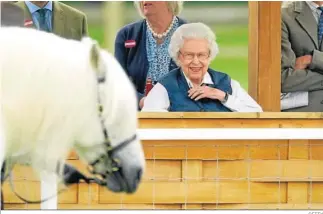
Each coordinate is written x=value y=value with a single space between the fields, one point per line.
x=119 y=157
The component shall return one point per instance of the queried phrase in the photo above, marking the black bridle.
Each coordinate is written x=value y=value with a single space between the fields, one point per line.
x=112 y=165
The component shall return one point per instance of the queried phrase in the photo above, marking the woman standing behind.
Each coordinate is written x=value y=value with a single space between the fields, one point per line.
x=142 y=47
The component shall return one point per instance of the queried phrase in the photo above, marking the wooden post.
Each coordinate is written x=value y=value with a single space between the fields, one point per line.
x=265 y=53
x=113 y=21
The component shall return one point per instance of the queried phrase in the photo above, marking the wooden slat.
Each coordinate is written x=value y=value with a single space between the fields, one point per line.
x=69 y=196
x=200 y=192
x=297 y=193
x=291 y=115
x=315 y=150
x=282 y=206
x=163 y=169
x=211 y=149
x=13 y=206
x=88 y=194
x=315 y=193
x=300 y=124
x=192 y=206
x=98 y=207
x=120 y=207
x=192 y=169
x=229 y=123
x=232 y=115
x=298 y=149
x=205 y=115
x=265 y=170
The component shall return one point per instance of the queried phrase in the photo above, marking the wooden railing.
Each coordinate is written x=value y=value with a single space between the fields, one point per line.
x=282 y=173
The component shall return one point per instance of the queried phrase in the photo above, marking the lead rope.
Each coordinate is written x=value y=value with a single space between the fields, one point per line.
x=88 y=180
x=29 y=201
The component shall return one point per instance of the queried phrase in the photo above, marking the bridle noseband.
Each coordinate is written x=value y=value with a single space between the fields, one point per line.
x=112 y=165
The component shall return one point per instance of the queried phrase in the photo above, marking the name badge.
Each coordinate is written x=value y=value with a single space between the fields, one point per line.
x=28 y=23
x=130 y=43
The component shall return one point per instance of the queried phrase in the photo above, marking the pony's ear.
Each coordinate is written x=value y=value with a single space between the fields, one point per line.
x=95 y=56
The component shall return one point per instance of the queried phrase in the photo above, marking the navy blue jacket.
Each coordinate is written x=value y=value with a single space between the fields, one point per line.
x=177 y=88
x=134 y=60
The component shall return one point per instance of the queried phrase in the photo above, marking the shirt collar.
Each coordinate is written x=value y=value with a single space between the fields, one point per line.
x=312 y=5
x=206 y=79
x=33 y=8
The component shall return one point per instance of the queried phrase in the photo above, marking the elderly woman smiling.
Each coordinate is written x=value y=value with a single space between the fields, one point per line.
x=193 y=86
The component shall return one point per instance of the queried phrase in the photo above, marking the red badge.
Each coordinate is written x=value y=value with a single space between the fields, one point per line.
x=130 y=43
x=28 y=23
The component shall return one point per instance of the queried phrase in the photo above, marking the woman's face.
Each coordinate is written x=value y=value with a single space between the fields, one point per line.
x=150 y=8
x=194 y=59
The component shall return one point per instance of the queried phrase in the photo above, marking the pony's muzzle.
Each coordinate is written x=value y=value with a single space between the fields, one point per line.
x=136 y=180
x=133 y=179
x=125 y=180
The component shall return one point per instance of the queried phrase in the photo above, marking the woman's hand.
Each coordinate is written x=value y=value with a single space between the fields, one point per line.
x=206 y=92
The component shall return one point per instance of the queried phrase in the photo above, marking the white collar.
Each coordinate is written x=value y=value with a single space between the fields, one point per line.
x=206 y=79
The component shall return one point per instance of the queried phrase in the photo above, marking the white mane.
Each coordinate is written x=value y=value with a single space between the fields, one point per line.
x=49 y=98
x=286 y=4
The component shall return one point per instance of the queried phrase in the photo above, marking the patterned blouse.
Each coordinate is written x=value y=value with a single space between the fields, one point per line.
x=157 y=54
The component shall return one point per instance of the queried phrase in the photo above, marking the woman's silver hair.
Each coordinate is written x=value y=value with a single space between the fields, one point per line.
x=175 y=7
x=192 y=31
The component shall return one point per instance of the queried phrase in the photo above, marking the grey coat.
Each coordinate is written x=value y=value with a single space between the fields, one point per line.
x=299 y=38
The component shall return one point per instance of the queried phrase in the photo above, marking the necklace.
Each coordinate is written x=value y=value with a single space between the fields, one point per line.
x=161 y=35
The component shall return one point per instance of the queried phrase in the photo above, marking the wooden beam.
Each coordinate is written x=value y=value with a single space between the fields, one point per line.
x=169 y=192
x=283 y=206
x=208 y=149
x=264 y=53
x=232 y=115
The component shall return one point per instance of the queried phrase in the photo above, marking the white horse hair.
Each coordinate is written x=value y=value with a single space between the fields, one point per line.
x=286 y=4
x=49 y=96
